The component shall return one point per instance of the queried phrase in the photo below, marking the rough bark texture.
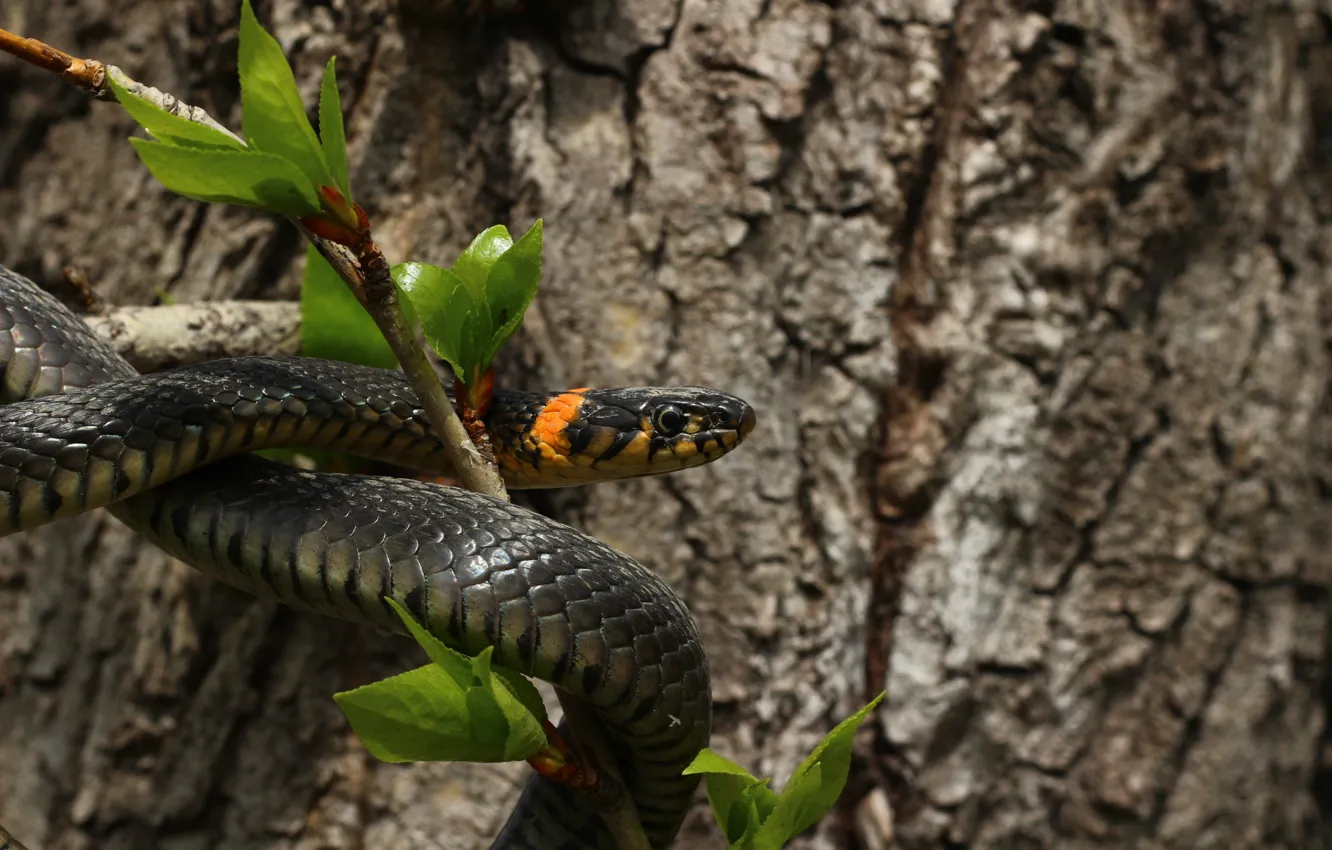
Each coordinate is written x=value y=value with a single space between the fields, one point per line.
x=1030 y=298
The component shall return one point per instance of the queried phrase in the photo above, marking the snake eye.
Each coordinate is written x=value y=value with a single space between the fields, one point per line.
x=669 y=421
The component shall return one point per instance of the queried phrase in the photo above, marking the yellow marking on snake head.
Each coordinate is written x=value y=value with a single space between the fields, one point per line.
x=636 y=451
x=684 y=449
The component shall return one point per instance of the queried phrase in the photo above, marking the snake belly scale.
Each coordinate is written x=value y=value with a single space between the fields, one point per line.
x=79 y=429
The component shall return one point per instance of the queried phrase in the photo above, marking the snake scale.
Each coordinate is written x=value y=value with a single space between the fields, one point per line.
x=79 y=429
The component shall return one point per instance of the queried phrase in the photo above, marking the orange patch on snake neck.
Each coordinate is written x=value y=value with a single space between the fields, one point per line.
x=548 y=429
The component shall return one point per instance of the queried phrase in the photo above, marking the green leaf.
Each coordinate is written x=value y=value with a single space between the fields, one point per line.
x=245 y=177
x=517 y=698
x=491 y=721
x=272 y=114
x=734 y=813
x=475 y=263
x=488 y=723
x=453 y=662
x=522 y=690
x=455 y=325
x=709 y=762
x=523 y=733
x=468 y=311
x=332 y=132
x=795 y=810
x=729 y=792
x=420 y=715
x=169 y=128
x=511 y=286
x=818 y=782
x=759 y=804
x=503 y=726
x=334 y=325
x=773 y=831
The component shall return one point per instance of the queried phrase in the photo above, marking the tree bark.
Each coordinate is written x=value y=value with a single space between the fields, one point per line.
x=1030 y=299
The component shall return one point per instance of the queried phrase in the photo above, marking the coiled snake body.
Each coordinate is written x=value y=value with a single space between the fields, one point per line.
x=79 y=429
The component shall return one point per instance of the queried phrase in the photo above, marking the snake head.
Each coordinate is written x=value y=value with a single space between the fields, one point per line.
x=587 y=435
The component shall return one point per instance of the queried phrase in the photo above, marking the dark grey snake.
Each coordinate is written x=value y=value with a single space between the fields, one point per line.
x=79 y=430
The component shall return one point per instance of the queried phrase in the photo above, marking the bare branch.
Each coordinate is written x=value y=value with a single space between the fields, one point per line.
x=157 y=338
x=87 y=74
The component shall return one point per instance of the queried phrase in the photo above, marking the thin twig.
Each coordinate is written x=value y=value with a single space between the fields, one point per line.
x=9 y=842
x=368 y=278
x=87 y=74
x=381 y=300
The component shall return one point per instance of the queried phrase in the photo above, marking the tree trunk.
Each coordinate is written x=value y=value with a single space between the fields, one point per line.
x=1029 y=297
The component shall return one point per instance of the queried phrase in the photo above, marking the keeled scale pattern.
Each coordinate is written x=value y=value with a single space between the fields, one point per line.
x=44 y=348
x=553 y=602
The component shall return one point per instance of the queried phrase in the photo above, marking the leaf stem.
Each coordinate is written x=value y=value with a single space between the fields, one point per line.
x=621 y=818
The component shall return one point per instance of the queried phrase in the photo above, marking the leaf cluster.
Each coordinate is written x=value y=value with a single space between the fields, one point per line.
x=754 y=817
x=282 y=165
x=469 y=310
x=466 y=312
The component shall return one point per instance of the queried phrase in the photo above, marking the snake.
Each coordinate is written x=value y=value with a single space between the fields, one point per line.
x=80 y=429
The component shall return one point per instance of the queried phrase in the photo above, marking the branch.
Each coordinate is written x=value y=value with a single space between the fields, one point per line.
x=380 y=297
x=170 y=336
x=86 y=74
x=166 y=337
x=9 y=842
